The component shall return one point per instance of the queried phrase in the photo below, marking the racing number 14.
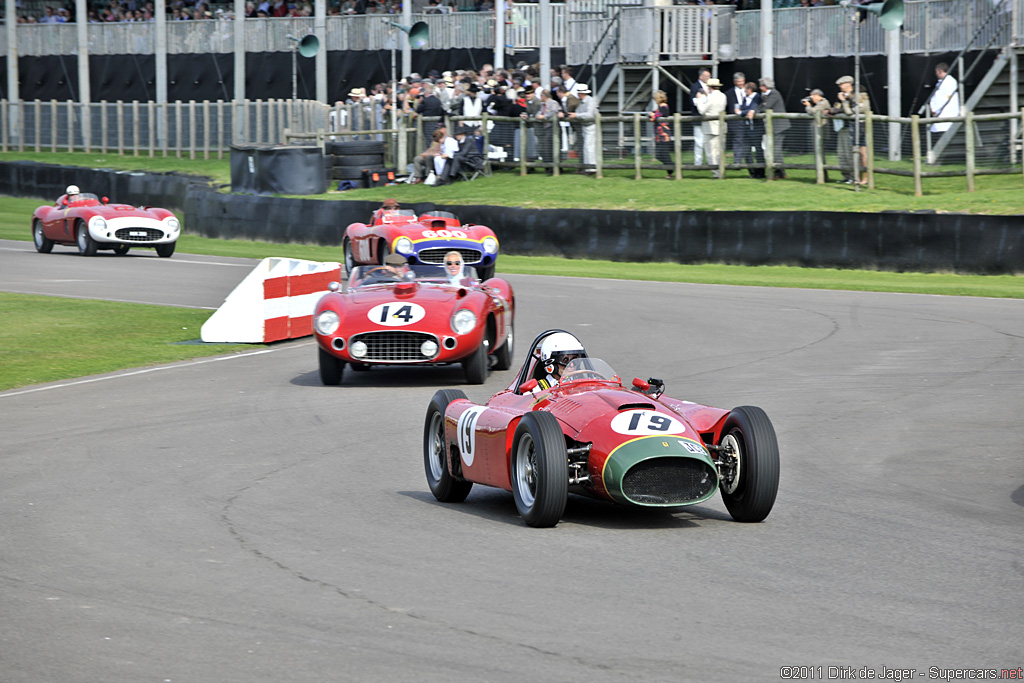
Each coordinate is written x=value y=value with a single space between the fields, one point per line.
x=405 y=313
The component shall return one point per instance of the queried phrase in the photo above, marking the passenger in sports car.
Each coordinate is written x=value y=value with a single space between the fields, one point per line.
x=555 y=353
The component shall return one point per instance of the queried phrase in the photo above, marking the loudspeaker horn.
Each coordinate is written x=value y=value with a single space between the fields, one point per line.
x=308 y=44
x=890 y=13
x=419 y=32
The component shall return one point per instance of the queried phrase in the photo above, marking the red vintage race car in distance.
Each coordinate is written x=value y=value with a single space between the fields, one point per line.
x=567 y=423
x=84 y=220
x=415 y=315
x=423 y=239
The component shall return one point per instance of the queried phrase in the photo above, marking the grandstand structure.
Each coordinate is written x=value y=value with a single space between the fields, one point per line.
x=626 y=49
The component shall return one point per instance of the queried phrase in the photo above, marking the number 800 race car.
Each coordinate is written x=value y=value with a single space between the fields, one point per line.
x=566 y=422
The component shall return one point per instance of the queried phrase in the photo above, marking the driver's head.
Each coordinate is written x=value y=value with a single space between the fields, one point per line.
x=72 y=190
x=453 y=263
x=390 y=205
x=396 y=263
x=557 y=350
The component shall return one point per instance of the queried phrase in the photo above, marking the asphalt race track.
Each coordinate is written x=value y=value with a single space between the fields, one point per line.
x=231 y=519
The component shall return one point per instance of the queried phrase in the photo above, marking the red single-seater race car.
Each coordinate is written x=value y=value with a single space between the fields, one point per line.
x=566 y=423
x=421 y=239
x=415 y=315
x=84 y=220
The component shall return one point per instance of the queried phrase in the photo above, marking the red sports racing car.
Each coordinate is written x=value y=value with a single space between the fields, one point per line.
x=90 y=223
x=415 y=315
x=566 y=422
x=424 y=239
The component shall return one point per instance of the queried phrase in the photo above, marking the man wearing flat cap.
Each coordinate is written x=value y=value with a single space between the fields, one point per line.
x=466 y=157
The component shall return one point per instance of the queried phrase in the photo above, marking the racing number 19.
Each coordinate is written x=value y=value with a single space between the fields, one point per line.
x=657 y=423
x=405 y=313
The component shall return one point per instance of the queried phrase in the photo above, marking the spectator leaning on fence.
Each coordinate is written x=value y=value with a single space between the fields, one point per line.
x=816 y=102
x=734 y=98
x=945 y=101
x=772 y=99
x=753 y=130
x=662 y=132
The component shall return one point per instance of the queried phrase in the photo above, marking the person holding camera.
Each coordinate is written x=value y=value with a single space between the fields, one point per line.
x=816 y=102
x=847 y=105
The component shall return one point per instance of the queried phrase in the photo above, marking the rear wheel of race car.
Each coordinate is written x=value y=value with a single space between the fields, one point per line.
x=749 y=486
x=43 y=245
x=475 y=366
x=443 y=485
x=165 y=250
x=486 y=272
x=86 y=244
x=331 y=368
x=350 y=259
x=503 y=355
x=540 y=469
x=121 y=249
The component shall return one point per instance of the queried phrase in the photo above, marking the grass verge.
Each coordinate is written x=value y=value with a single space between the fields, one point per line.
x=45 y=339
x=1000 y=195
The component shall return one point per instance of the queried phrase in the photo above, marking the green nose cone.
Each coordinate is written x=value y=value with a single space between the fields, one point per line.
x=660 y=471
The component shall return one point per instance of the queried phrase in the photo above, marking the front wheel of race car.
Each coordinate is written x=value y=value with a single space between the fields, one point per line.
x=331 y=368
x=503 y=355
x=540 y=469
x=750 y=481
x=443 y=485
x=43 y=245
x=165 y=250
x=86 y=244
x=475 y=366
x=350 y=259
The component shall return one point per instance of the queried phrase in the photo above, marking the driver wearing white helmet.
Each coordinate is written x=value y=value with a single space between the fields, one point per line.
x=72 y=191
x=555 y=353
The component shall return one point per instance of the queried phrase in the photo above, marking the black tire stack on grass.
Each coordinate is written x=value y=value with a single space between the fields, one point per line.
x=349 y=160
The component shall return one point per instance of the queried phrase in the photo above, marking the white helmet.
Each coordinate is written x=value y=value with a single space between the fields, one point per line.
x=72 y=189
x=560 y=348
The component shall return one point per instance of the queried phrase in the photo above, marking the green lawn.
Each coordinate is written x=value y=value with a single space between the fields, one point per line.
x=45 y=339
x=696 y=192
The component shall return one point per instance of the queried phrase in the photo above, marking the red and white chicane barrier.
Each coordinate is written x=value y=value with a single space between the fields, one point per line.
x=275 y=301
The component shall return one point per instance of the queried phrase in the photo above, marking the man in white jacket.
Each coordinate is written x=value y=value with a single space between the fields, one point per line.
x=712 y=104
x=945 y=101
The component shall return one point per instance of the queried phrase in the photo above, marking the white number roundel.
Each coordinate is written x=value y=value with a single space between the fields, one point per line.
x=457 y=234
x=466 y=431
x=646 y=422
x=396 y=314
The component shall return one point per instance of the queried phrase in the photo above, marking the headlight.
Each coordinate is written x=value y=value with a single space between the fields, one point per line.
x=172 y=223
x=490 y=245
x=327 y=322
x=98 y=223
x=428 y=348
x=403 y=245
x=463 y=321
x=357 y=349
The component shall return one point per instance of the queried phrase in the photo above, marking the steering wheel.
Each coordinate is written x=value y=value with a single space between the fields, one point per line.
x=582 y=374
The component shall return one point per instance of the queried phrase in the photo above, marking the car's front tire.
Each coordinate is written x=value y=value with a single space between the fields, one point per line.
x=503 y=355
x=540 y=469
x=350 y=259
x=749 y=493
x=331 y=368
x=475 y=366
x=43 y=245
x=165 y=250
x=443 y=485
x=86 y=244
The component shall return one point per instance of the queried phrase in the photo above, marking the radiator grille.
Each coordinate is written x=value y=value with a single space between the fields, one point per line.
x=469 y=256
x=138 y=234
x=668 y=481
x=393 y=347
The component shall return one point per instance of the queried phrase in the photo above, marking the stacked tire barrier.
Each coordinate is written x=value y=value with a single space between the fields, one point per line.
x=894 y=241
x=353 y=161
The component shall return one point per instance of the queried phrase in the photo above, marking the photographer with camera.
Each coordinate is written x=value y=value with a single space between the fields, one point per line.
x=816 y=102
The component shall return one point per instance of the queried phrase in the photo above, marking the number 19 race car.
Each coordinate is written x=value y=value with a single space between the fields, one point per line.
x=90 y=223
x=415 y=315
x=424 y=239
x=566 y=422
